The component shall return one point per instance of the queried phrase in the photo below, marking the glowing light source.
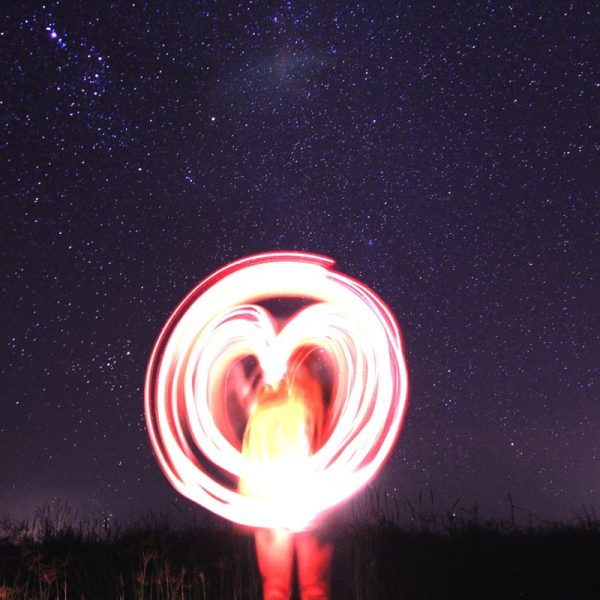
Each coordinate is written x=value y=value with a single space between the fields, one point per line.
x=216 y=325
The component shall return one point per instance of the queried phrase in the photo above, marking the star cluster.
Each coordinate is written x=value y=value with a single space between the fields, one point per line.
x=444 y=155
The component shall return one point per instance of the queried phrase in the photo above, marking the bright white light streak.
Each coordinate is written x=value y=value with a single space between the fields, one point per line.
x=216 y=325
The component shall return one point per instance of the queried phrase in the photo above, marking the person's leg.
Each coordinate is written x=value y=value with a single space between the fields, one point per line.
x=314 y=565
x=275 y=553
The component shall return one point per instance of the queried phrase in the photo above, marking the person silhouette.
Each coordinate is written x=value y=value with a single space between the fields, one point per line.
x=284 y=428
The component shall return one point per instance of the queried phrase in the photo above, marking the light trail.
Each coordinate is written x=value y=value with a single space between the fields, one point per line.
x=218 y=324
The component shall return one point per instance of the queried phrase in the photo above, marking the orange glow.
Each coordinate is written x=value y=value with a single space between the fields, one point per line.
x=218 y=324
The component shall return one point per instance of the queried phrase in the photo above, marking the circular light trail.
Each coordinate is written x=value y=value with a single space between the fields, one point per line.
x=218 y=324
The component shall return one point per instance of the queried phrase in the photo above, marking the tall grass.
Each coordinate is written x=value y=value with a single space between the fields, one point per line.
x=385 y=550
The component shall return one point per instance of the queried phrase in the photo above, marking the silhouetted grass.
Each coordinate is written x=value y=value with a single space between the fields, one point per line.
x=386 y=551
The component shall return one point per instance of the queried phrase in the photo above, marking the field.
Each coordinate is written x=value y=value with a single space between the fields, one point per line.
x=380 y=555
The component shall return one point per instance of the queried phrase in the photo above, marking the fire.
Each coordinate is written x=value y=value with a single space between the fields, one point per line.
x=220 y=323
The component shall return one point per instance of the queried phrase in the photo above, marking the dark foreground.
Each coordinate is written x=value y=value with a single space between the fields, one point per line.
x=380 y=561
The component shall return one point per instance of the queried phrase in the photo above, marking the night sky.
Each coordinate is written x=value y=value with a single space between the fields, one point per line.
x=444 y=154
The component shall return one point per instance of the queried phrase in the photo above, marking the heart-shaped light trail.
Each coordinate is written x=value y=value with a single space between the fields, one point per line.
x=217 y=324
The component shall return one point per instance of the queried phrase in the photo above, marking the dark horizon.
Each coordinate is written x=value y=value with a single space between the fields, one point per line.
x=447 y=158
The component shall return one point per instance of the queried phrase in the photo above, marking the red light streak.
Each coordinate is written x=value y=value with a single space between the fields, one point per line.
x=216 y=325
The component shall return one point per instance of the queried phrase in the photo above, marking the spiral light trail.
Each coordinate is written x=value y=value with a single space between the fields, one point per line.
x=217 y=325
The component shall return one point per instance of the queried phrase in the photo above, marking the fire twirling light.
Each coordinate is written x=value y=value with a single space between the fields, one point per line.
x=218 y=324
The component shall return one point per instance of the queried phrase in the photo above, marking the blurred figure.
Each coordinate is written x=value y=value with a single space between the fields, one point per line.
x=284 y=428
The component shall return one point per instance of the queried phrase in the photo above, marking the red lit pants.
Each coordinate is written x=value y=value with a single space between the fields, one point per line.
x=275 y=552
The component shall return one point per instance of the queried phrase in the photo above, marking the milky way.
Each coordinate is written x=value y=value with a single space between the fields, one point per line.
x=446 y=157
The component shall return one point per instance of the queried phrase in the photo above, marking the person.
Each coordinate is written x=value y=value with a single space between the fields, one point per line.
x=284 y=428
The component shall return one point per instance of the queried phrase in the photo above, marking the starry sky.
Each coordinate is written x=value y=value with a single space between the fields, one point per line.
x=443 y=153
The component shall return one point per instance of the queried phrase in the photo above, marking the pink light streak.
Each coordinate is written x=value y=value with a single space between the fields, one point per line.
x=215 y=326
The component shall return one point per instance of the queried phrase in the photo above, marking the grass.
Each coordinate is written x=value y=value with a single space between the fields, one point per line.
x=386 y=551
